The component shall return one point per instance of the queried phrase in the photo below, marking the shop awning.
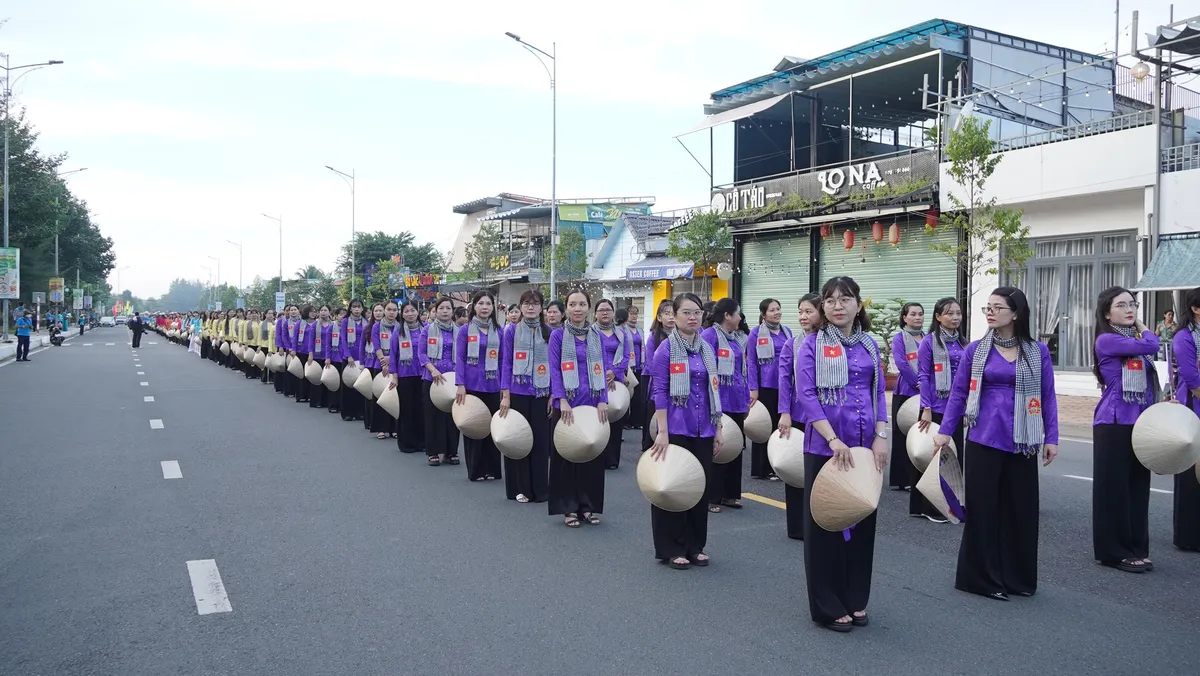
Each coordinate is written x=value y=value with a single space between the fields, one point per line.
x=1175 y=266
x=659 y=267
x=736 y=114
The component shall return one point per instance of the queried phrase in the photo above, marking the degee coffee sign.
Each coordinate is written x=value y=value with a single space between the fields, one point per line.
x=832 y=182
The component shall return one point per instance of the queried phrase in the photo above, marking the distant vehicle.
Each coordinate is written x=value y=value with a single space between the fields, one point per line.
x=107 y=321
x=122 y=319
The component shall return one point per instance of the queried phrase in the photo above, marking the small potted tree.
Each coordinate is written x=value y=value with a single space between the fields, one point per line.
x=885 y=322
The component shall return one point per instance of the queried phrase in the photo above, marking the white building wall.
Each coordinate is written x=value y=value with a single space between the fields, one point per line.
x=621 y=254
x=1181 y=202
x=466 y=233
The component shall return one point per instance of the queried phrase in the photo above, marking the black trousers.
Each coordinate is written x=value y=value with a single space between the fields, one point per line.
x=684 y=533
x=999 y=547
x=612 y=450
x=482 y=456
x=303 y=387
x=381 y=420
x=796 y=511
x=137 y=339
x=648 y=411
x=370 y=408
x=205 y=348
x=351 y=403
x=725 y=480
x=22 y=348
x=1120 y=496
x=319 y=396
x=837 y=570
x=441 y=434
x=637 y=406
x=575 y=487
x=530 y=476
x=918 y=504
x=410 y=426
x=902 y=473
x=760 y=466
x=1187 y=511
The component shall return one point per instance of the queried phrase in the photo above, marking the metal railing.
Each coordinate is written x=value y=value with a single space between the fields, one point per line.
x=1181 y=158
x=1081 y=130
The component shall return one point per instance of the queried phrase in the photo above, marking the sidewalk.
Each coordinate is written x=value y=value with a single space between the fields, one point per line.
x=8 y=351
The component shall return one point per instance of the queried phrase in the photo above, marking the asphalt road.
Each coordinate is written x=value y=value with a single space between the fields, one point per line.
x=338 y=555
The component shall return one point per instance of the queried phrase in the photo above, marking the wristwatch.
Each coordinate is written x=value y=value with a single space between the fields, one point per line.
x=882 y=435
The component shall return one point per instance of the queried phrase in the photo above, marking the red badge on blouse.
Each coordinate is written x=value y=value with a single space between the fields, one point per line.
x=491 y=354
x=678 y=367
x=384 y=335
x=722 y=353
x=350 y=329
x=520 y=356
x=764 y=341
x=433 y=341
x=1035 y=406
x=541 y=369
x=833 y=351
x=472 y=339
x=405 y=344
x=911 y=356
x=597 y=370
x=974 y=384
x=937 y=368
x=568 y=366
x=1134 y=364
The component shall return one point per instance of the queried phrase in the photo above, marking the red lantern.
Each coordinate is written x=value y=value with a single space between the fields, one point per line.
x=848 y=239
x=894 y=234
x=877 y=232
x=826 y=231
x=931 y=218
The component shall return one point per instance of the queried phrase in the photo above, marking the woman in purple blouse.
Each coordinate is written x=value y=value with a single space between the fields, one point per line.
x=660 y=328
x=1187 y=489
x=352 y=339
x=302 y=347
x=791 y=411
x=576 y=489
x=371 y=360
x=322 y=351
x=688 y=408
x=406 y=378
x=525 y=388
x=729 y=337
x=383 y=339
x=436 y=358
x=616 y=360
x=766 y=343
x=284 y=325
x=1123 y=363
x=938 y=359
x=903 y=475
x=842 y=395
x=478 y=346
x=627 y=318
x=1003 y=393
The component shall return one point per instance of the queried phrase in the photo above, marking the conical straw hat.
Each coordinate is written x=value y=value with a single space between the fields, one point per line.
x=584 y=439
x=442 y=395
x=225 y=349
x=248 y=355
x=312 y=371
x=908 y=414
x=512 y=435
x=653 y=426
x=920 y=446
x=787 y=456
x=618 y=402
x=675 y=483
x=758 y=423
x=295 y=368
x=276 y=362
x=631 y=379
x=942 y=484
x=364 y=385
x=731 y=441
x=260 y=359
x=840 y=499
x=1166 y=438
x=350 y=374
x=330 y=378
x=389 y=400
x=472 y=418
x=288 y=362
x=379 y=384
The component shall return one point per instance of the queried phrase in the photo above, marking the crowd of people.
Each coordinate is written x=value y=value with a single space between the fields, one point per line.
x=992 y=401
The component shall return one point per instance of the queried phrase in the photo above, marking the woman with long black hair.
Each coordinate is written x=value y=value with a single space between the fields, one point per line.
x=525 y=388
x=436 y=359
x=905 y=344
x=938 y=360
x=766 y=343
x=627 y=318
x=372 y=364
x=663 y=325
x=266 y=342
x=840 y=365
x=555 y=313
x=322 y=352
x=383 y=339
x=1004 y=396
x=285 y=325
x=353 y=337
x=477 y=372
x=1187 y=489
x=728 y=336
x=1123 y=363
x=791 y=409
x=302 y=347
x=615 y=344
x=406 y=372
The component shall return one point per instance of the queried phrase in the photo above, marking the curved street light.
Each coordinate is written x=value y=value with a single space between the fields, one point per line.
x=349 y=179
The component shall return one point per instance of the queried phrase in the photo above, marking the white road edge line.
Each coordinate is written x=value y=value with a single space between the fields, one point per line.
x=1162 y=490
x=156 y=424
x=1075 y=476
x=170 y=469
x=144 y=384
x=1088 y=478
x=141 y=373
x=147 y=398
x=207 y=587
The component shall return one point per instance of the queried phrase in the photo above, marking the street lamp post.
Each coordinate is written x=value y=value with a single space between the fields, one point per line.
x=552 y=71
x=239 y=248
x=349 y=178
x=60 y=175
x=8 y=69
x=119 y=291
x=278 y=220
x=209 y=293
x=218 y=260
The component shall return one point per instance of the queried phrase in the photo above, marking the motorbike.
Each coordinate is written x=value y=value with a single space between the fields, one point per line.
x=56 y=338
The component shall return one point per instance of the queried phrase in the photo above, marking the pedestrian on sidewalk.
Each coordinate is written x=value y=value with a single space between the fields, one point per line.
x=1123 y=354
x=82 y=323
x=138 y=327
x=1187 y=488
x=24 y=326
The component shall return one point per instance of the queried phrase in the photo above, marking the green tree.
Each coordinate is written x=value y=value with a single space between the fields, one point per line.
x=993 y=240
x=373 y=247
x=704 y=240
x=480 y=255
x=183 y=296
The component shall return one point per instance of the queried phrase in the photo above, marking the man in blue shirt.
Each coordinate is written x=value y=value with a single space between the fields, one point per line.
x=24 y=327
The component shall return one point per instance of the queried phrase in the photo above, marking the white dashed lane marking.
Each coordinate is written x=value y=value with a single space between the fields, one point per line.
x=1088 y=478
x=170 y=469
x=156 y=424
x=145 y=384
x=147 y=398
x=207 y=587
x=141 y=373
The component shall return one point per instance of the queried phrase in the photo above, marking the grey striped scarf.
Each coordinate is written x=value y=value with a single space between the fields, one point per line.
x=405 y=354
x=943 y=377
x=1028 y=428
x=911 y=338
x=570 y=365
x=434 y=343
x=764 y=350
x=619 y=333
x=833 y=370
x=725 y=363
x=385 y=345
x=534 y=365
x=491 y=359
x=1137 y=373
x=680 y=376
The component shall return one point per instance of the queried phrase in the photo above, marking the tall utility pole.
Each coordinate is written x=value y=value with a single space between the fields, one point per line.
x=278 y=220
x=8 y=69
x=239 y=247
x=552 y=71
x=349 y=178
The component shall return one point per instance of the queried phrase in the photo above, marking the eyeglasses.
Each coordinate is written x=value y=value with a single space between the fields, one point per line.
x=1131 y=305
x=994 y=309
x=692 y=314
x=840 y=301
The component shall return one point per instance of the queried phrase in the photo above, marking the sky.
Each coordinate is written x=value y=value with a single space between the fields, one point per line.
x=194 y=117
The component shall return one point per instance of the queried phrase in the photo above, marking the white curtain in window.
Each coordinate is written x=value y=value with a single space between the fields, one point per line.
x=1047 y=303
x=1081 y=306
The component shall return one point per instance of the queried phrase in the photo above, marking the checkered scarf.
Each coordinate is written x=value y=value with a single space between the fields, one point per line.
x=911 y=338
x=764 y=350
x=680 y=378
x=833 y=370
x=943 y=377
x=491 y=360
x=535 y=367
x=1138 y=374
x=595 y=360
x=1028 y=428
x=725 y=363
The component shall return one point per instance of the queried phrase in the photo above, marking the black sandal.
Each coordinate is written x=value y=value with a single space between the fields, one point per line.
x=677 y=562
x=592 y=519
x=840 y=627
x=434 y=461
x=571 y=521
x=732 y=503
x=860 y=621
x=1129 y=565
x=453 y=459
x=699 y=562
